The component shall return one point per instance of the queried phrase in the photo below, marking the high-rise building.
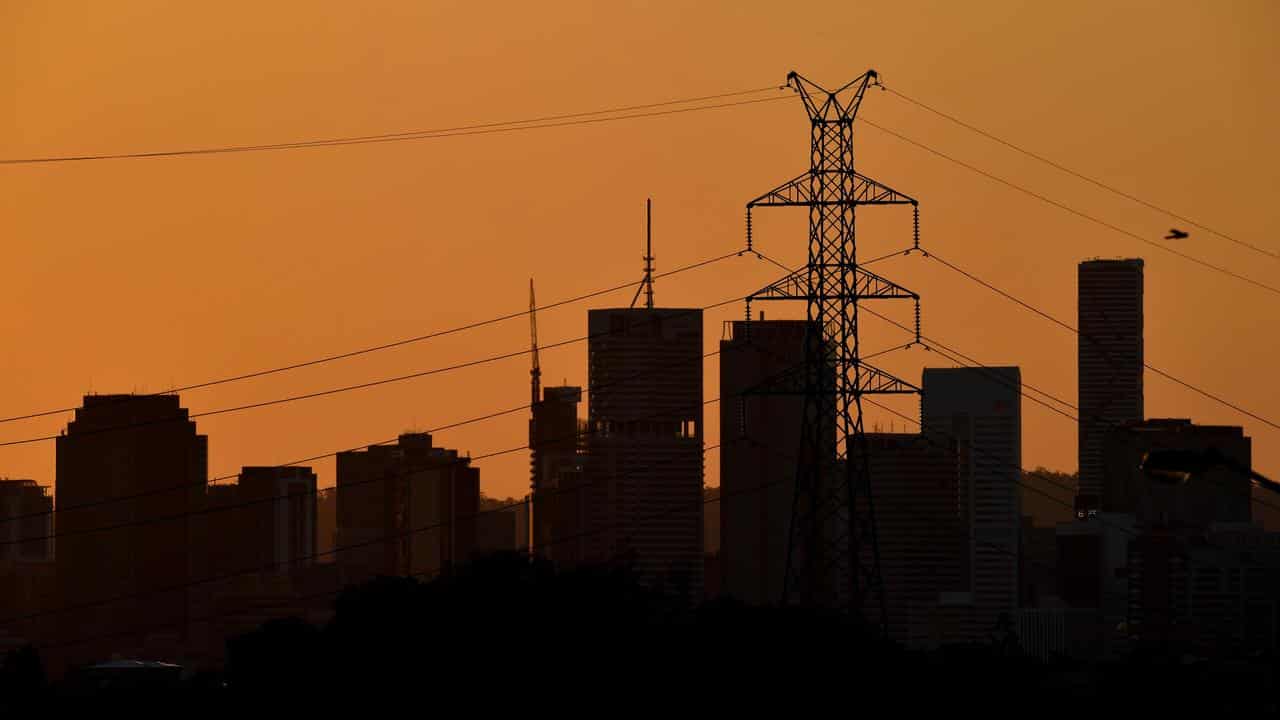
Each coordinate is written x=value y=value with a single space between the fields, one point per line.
x=554 y=445
x=644 y=450
x=759 y=444
x=1110 y=362
x=131 y=470
x=405 y=509
x=921 y=538
x=1218 y=493
x=980 y=410
x=26 y=521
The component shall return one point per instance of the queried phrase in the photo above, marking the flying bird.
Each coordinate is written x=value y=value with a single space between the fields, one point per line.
x=1175 y=234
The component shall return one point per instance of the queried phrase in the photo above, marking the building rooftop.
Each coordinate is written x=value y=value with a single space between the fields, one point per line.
x=1113 y=261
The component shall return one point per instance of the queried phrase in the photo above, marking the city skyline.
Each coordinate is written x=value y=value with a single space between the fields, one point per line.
x=275 y=265
x=282 y=416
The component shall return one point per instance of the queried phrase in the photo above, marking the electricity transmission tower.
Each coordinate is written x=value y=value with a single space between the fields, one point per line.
x=833 y=558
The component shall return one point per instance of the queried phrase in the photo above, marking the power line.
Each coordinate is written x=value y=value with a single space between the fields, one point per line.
x=384 y=346
x=705 y=501
x=1073 y=211
x=257 y=501
x=335 y=550
x=426 y=573
x=1073 y=329
x=333 y=391
x=278 y=563
x=935 y=343
x=1081 y=176
x=184 y=417
x=147 y=493
x=456 y=461
x=536 y=123
x=950 y=354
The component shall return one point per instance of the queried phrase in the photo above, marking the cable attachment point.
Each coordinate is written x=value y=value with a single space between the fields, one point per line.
x=917 y=320
x=915 y=226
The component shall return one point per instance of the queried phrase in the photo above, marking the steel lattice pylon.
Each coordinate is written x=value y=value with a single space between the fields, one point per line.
x=833 y=555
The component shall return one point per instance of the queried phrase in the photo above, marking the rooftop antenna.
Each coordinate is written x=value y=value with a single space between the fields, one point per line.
x=647 y=283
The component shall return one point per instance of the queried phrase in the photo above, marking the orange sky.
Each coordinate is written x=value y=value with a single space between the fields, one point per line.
x=137 y=275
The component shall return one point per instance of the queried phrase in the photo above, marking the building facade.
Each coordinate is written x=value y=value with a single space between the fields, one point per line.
x=644 y=460
x=131 y=471
x=555 y=441
x=918 y=525
x=759 y=444
x=26 y=521
x=980 y=410
x=405 y=509
x=282 y=505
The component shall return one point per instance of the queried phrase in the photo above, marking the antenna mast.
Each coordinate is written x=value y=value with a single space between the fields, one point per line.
x=647 y=283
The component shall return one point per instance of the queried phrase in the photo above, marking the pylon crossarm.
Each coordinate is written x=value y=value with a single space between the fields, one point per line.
x=872 y=192
x=790 y=287
x=798 y=192
x=874 y=381
x=867 y=286
x=870 y=286
x=792 y=192
x=871 y=381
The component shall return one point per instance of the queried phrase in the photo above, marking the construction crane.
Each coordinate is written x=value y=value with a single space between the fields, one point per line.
x=535 y=373
x=535 y=390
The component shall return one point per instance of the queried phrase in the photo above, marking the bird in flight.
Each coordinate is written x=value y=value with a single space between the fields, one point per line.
x=1175 y=234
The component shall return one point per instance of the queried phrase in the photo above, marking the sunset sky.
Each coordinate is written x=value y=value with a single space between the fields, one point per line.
x=139 y=275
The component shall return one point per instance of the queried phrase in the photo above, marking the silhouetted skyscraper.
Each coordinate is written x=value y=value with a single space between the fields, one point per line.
x=1110 y=362
x=405 y=509
x=980 y=410
x=644 y=450
x=759 y=441
x=133 y=463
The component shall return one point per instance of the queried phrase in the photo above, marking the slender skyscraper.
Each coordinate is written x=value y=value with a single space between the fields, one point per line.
x=1110 y=362
x=980 y=410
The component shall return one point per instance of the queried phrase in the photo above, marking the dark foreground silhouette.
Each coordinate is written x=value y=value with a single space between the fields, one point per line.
x=506 y=635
